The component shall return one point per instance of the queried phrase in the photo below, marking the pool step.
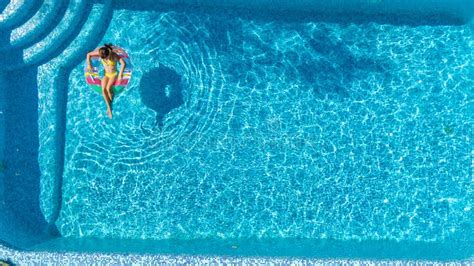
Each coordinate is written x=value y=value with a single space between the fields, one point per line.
x=37 y=27
x=57 y=40
x=4 y=4
x=17 y=12
x=87 y=39
x=53 y=79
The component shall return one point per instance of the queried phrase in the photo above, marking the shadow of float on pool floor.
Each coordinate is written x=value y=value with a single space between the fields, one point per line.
x=160 y=90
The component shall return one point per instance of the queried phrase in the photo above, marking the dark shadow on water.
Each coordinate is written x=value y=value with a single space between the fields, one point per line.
x=327 y=67
x=337 y=67
x=160 y=90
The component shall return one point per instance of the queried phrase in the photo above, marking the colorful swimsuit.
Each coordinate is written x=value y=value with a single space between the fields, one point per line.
x=112 y=63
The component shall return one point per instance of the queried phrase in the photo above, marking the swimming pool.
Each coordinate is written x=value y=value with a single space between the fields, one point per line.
x=310 y=130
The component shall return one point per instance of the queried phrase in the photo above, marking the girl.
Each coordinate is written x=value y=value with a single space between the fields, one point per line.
x=109 y=59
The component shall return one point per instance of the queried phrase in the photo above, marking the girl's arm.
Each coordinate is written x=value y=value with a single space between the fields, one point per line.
x=122 y=68
x=88 y=58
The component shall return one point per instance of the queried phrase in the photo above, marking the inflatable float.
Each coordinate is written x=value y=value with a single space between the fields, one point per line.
x=93 y=77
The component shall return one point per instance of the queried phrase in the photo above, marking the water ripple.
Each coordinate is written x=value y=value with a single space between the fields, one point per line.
x=286 y=130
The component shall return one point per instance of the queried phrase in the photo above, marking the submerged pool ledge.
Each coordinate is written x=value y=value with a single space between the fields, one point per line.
x=267 y=248
x=460 y=9
x=84 y=251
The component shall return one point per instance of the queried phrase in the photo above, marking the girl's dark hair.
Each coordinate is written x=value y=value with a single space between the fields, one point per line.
x=105 y=50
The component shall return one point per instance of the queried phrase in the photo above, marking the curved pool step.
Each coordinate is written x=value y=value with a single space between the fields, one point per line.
x=53 y=78
x=38 y=26
x=89 y=37
x=4 y=4
x=17 y=12
x=58 y=39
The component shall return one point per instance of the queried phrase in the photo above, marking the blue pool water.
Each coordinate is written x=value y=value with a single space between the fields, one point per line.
x=239 y=128
x=243 y=126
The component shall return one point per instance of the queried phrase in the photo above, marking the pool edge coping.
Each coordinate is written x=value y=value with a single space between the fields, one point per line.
x=27 y=257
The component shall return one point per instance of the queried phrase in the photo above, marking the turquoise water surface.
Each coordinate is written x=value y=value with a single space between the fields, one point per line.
x=237 y=127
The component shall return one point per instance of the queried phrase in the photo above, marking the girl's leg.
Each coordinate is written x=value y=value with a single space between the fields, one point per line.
x=110 y=91
x=107 y=100
x=110 y=94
